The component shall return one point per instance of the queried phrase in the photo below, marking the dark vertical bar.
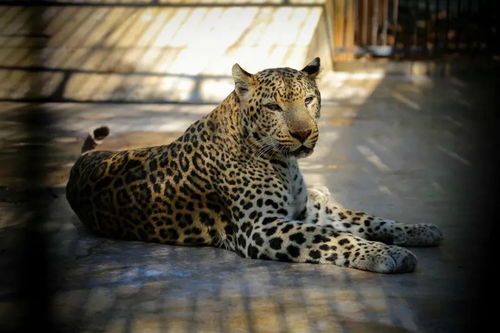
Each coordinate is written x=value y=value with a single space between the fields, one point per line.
x=364 y=24
x=459 y=26
x=385 y=18
x=375 y=23
x=481 y=14
x=475 y=34
x=427 y=17
x=447 y=25
x=415 y=27
x=469 y=26
x=493 y=27
x=436 y=28
x=355 y=24
x=344 y=22
x=486 y=24
x=36 y=276
x=395 y=22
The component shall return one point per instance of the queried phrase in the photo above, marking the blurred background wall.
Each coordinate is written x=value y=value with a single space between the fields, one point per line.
x=138 y=50
x=183 y=50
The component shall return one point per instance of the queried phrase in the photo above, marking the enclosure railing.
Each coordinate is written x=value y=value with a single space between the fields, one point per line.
x=412 y=28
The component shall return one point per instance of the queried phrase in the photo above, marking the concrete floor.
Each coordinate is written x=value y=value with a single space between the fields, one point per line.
x=398 y=147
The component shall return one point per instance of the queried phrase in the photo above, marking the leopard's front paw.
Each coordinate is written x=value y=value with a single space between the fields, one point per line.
x=422 y=234
x=383 y=258
x=319 y=194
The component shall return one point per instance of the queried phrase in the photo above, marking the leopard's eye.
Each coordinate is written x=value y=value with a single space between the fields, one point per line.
x=308 y=100
x=273 y=106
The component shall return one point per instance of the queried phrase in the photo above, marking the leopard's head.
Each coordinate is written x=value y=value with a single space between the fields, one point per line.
x=280 y=108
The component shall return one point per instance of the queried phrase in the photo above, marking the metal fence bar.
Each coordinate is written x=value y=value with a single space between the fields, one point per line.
x=436 y=24
x=459 y=25
x=414 y=47
x=427 y=25
x=414 y=27
x=395 y=15
x=374 y=41
x=385 y=23
x=447 y=25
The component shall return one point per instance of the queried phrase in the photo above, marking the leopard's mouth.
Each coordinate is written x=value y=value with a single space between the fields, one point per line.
x=302 y=151
x=297 y=151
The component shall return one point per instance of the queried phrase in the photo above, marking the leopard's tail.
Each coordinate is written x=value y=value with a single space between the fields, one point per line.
x=95 y=138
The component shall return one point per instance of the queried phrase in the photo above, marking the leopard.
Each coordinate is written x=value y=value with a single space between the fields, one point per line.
x=232 y=181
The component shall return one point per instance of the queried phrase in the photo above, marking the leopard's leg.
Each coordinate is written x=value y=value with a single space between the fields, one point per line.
x=322 y=211
x=297 y=241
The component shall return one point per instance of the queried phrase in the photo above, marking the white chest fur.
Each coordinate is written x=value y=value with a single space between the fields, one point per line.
x=297 y=191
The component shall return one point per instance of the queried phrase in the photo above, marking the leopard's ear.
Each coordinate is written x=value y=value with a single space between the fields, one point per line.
x=243 y=80
x=312 y=68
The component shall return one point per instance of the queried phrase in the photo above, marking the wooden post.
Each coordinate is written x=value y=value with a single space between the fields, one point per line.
x=364 y=24
x=338 y=32
x=349 y=30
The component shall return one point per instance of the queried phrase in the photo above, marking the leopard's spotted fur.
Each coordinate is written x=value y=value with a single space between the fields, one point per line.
x=232 y=181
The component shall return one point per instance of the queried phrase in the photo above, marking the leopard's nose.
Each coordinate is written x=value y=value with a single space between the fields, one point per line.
x=301 y=135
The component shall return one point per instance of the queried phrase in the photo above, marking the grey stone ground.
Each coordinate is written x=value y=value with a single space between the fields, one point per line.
x=405 y=148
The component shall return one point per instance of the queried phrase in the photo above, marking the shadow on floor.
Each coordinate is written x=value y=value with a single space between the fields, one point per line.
x=411 y=151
